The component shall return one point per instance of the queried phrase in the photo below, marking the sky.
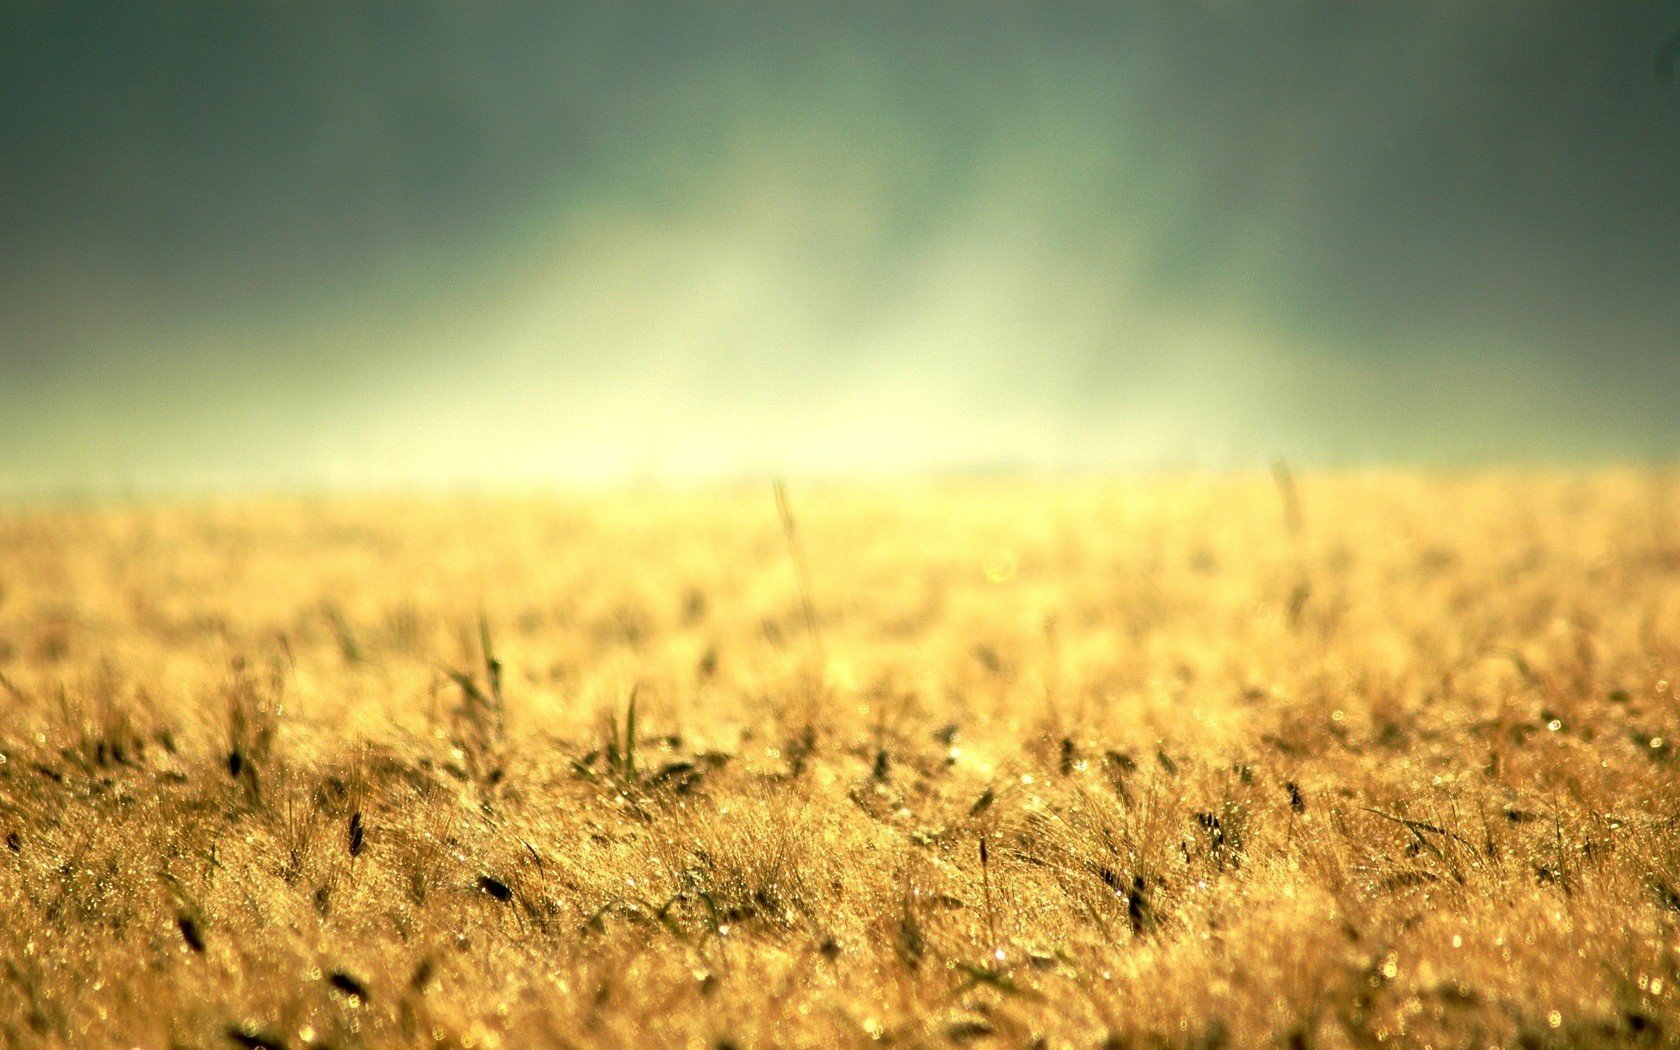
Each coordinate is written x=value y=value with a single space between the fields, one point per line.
x=250 y=246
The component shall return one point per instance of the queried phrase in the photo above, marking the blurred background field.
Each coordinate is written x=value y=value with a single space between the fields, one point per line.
x=441 y=247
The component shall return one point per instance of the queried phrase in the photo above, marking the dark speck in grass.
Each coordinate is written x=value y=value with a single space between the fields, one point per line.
x=495 y=887
x=331 y=792
x=190 y=932
x=1669 y=898
x=1138 y=911
x=1655 y=747
x=678 y=776
x=343 y=982
x=253 y=1038
x=1405 y=880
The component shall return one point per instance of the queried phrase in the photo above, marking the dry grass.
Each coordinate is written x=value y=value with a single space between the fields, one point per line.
x=1315 y=761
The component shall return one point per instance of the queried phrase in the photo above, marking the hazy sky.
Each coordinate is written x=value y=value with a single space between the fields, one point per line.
x=256 y=245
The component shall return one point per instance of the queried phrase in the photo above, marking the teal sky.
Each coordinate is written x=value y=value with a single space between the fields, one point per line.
x=249 y=246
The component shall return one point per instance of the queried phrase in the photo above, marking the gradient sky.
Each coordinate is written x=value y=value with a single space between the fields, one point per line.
x=270 y=245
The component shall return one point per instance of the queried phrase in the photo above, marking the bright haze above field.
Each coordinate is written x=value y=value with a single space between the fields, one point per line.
x=252 y=246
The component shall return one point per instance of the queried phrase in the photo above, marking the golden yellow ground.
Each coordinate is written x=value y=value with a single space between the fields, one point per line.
x=1181 y=760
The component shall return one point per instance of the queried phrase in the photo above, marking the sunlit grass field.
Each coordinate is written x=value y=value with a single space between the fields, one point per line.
x=1321 y=760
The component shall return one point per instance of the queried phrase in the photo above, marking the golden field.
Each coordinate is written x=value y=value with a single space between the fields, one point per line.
x=1189 y=761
